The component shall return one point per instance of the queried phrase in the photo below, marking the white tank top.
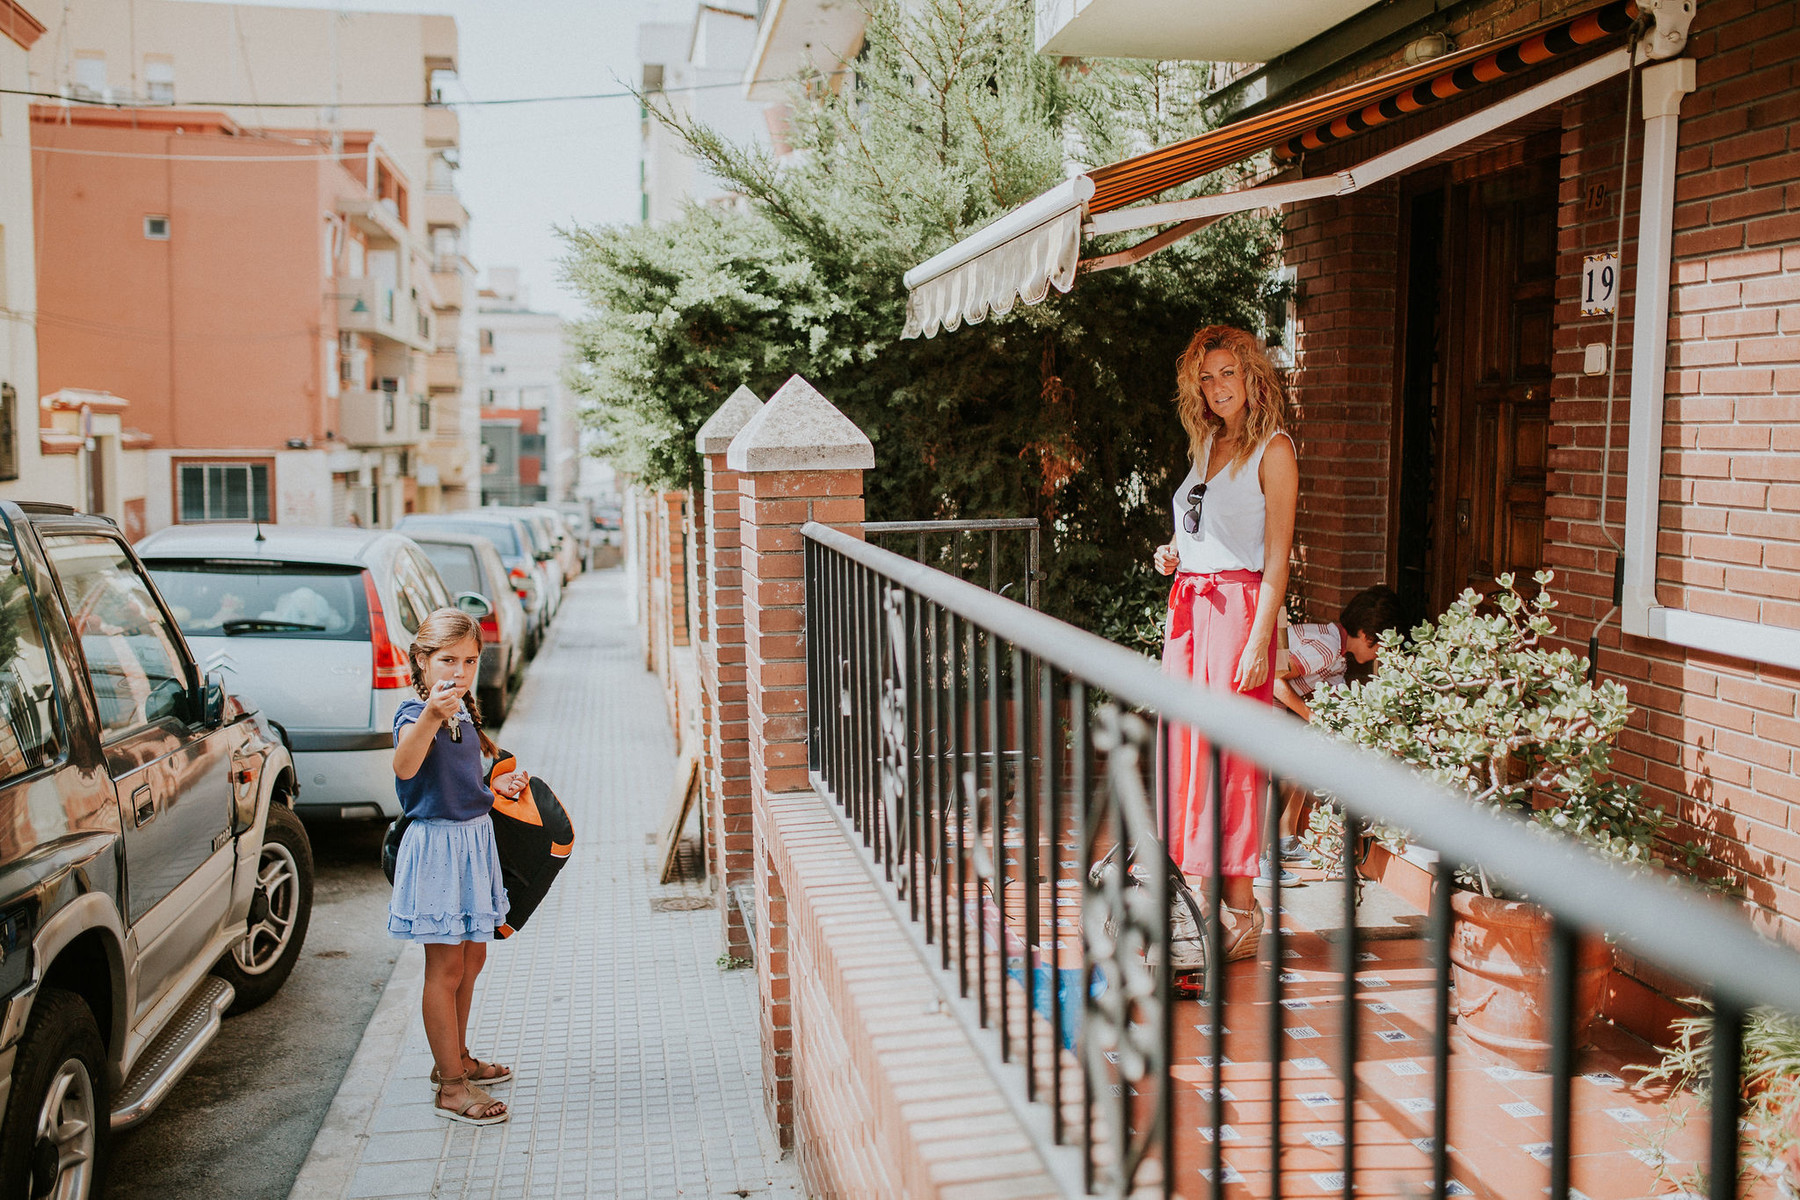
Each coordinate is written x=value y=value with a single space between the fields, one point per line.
x=1231 y=516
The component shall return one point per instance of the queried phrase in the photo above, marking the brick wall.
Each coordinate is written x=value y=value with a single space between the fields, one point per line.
x=889 y=1098
x=1342 y=393
x=1714 y=737
x=725 y=713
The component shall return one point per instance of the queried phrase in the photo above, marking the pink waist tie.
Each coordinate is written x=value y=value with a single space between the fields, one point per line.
x=1210 y=618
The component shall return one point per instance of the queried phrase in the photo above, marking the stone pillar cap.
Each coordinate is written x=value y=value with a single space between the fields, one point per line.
x=715 y=436
x=799 y=430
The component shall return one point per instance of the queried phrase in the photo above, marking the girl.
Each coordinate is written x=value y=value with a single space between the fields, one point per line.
x=1234 y=524
x=447 y=889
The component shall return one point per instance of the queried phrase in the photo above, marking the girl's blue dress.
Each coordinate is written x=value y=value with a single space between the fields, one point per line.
x=447 y=885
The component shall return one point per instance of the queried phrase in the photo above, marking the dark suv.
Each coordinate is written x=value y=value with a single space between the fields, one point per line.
x=153 y=875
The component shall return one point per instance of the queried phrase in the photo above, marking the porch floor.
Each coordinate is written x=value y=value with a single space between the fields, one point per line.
x=1499 y=1115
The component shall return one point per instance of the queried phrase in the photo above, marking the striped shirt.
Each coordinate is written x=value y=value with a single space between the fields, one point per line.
x=1316 y=652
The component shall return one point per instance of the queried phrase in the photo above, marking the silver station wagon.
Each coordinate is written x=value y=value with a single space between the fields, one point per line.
x=311 y=626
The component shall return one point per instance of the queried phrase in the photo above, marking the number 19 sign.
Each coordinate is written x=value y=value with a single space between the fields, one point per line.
x=1599 y=284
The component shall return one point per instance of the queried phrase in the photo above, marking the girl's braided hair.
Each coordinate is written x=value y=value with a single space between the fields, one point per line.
x=446 y=627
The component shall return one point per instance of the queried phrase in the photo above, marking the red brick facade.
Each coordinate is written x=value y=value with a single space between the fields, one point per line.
x=1714 y=737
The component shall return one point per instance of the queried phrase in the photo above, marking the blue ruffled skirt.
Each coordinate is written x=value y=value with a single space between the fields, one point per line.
x=447 y=885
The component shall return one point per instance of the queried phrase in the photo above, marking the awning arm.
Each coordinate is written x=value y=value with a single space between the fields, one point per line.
x=1064 y=197
x=1383 y=166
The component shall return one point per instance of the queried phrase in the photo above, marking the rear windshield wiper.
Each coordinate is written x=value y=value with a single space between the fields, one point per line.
x=267 y=625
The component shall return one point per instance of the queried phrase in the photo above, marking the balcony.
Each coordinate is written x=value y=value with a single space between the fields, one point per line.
x=442 y=127
x=449 y=285
x=377 y=418
x=1221 y=31
x=798 y=35
x=443 y=370
x=445 y=207
x=366 y=306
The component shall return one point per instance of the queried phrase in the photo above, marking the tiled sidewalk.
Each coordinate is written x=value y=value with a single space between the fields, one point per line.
x=638 y=1071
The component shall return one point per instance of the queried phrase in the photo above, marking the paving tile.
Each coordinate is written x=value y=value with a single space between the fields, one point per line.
x=637 y=1060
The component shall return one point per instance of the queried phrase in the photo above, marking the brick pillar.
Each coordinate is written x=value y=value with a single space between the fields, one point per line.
x=797 y=458
x=724 y=715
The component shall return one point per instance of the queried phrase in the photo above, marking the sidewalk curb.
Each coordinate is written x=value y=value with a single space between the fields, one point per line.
x=336 y=1152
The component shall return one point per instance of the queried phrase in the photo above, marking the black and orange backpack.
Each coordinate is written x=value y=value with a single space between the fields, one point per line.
x=533 y=836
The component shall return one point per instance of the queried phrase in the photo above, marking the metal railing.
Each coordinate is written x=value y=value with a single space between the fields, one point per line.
x=959 y=548
x=990 y=760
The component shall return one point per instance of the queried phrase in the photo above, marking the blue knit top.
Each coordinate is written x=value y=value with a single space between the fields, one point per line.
x=448 y=784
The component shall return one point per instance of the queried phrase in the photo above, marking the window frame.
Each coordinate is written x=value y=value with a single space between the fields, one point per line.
x=56 y=666
x=190 y=668
x=267 y=463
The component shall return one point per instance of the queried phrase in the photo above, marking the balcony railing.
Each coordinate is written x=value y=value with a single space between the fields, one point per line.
x=367 y=306
x=1002 y=551
x=998 y=769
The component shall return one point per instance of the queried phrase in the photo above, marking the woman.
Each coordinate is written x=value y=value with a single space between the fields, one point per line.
x=1234 y=524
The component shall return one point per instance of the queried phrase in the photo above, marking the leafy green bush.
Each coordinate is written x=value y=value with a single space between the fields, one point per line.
x=1480 y=703
x=1063 y=411
x=1771 y=1092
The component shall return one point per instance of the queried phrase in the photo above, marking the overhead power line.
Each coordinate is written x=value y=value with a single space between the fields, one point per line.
x=625 y=94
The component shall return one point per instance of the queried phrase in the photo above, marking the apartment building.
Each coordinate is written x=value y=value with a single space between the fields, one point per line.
x=523 y=353
x=327 y=71
x=253 y=298
x=70 y=450
x=688 y=66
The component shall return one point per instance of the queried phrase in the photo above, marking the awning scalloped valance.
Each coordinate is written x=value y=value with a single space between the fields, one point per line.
x=1025 y=267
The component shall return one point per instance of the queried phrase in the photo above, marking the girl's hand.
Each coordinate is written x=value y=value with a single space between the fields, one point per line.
x=443 y=703
x=1252 y=668
x=1167 y=559
x=512 y=784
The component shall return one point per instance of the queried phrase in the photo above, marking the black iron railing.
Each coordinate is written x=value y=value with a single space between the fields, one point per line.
x=999 y=553
x=996 y=765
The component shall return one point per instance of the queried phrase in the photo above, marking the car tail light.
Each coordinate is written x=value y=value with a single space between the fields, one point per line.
x=521 y=581
x=391 y=669
x=490 y=628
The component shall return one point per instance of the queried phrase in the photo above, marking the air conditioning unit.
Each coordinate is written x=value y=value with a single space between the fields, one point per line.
x=387 y=385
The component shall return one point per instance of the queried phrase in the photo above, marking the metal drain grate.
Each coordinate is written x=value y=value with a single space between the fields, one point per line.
x=681 y=904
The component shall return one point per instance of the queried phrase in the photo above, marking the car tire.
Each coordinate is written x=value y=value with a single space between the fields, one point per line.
x=59 y=1093
x=279 y=913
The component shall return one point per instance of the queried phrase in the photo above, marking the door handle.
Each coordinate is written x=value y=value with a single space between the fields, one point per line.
x=1462 y=516
x=143 y=805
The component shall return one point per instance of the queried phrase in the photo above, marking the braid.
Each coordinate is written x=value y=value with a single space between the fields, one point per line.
x=418 y=673
x=474 y=708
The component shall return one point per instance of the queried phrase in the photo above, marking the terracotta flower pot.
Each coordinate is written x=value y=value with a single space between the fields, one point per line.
x=1500 y=956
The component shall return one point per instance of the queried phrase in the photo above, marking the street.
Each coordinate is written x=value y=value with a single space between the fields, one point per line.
x=242 y=1120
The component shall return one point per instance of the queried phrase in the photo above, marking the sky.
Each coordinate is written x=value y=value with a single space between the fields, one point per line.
x=529 y=168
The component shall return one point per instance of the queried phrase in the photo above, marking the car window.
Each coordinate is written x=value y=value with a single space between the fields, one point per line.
x=225 y=598
x=501 y=533
x=456 y=564
x=31 y=735
x=133 y=661
x=411 y=594
x=436 y=594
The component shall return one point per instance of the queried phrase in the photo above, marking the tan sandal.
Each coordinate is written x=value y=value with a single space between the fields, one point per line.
x=1249 y=933
x=484 y=1072
x=477 y=1107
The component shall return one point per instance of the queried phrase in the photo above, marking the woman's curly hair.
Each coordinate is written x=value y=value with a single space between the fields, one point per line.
x=1262 y=388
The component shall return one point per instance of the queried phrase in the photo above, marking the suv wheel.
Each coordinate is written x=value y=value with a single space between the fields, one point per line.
x=59 y=1092
x=279 y=912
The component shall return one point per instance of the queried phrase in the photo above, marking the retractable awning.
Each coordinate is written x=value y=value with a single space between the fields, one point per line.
x=1025 y=253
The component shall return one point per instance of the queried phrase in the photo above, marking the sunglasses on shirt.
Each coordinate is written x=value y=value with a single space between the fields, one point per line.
x=1190 y=520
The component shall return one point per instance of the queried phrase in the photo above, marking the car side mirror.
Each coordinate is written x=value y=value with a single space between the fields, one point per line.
x=545 y=555
x=475 y=605
x=212 y=701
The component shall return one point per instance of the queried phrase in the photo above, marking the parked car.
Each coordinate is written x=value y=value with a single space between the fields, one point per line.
x=153 y=875
x=578 y=521
x=567 y=547
x=312 y=625
x=512 y=538
x=543 y=550
x=469 y=563
x=609 y=521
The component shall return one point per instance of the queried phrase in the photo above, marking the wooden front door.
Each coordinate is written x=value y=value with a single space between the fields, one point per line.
x=1498 y=300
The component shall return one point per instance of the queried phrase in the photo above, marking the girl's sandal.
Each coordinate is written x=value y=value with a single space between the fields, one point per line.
x=484 y=1072
x=476 y=1107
